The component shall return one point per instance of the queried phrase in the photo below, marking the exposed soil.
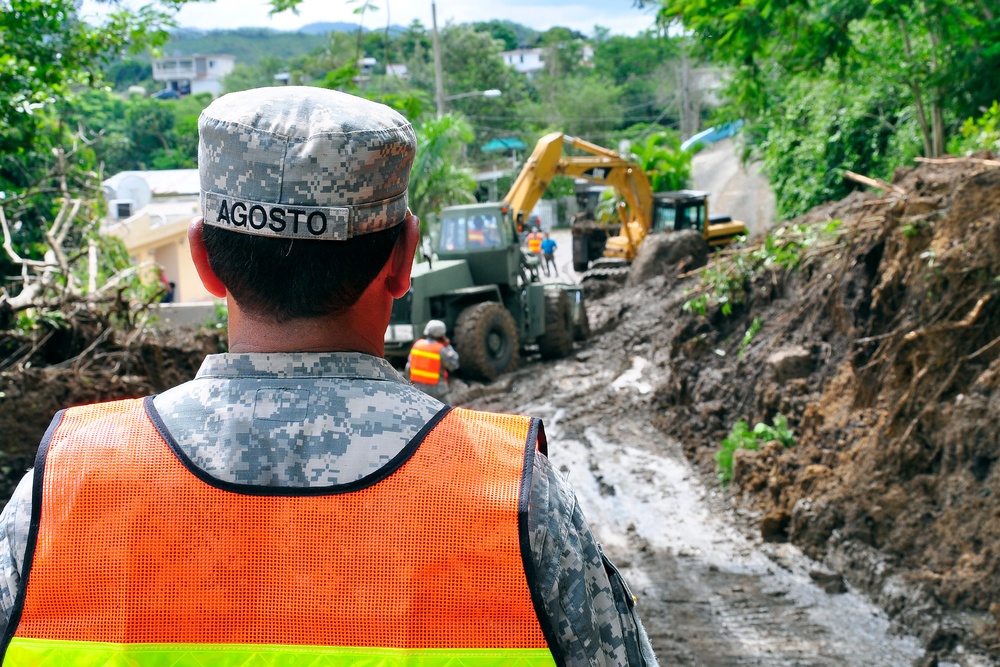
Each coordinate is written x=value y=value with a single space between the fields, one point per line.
x=883 y=350
x=116 y=367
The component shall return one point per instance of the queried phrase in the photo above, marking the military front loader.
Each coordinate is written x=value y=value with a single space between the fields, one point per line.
x=489 y=295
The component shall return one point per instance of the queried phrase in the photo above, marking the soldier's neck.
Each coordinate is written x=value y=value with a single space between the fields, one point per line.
x=353 y=331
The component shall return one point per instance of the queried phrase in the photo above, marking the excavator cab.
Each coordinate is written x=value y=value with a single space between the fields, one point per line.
x=688 y=209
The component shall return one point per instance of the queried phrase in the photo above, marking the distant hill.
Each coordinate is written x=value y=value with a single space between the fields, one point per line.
x=247 y=44
x=250 y=44
x=323 y=27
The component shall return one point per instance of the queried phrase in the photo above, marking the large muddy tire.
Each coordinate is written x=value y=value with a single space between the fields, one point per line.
x=486 y=340
x=557 y=341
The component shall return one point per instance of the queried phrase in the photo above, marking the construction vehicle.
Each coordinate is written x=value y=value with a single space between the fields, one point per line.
x=593 y=244
x=488 y=293
x=640 y=211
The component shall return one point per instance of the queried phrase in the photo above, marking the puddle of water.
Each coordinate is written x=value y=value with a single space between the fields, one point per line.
x=633 y=378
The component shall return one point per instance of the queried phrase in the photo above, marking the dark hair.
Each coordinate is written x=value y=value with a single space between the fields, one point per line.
x=287 y=279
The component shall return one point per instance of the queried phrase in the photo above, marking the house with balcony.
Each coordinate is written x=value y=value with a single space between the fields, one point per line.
x=193 y=74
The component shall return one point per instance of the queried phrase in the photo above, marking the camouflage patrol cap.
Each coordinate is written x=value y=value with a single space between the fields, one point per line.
x=303 y=163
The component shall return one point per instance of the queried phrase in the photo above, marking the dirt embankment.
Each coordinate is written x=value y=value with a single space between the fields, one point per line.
x=883 y=350
x=85 y=364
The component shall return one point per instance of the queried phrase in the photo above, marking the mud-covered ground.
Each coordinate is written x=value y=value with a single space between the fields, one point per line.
x=881 y=345
x=708 y=594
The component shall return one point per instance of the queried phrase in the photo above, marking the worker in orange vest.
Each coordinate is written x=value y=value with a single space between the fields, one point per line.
x=535 y=242
x=299 y=501
x=430 y=360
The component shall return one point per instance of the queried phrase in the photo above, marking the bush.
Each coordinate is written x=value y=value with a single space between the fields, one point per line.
x=741 y=437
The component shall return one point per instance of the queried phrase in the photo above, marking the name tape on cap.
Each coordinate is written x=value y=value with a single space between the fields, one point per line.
x=321 y=223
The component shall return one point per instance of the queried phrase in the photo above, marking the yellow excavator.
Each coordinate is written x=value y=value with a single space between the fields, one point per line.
x=640 y=211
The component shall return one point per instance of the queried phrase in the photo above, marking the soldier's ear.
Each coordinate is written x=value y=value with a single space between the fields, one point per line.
x=200 y=257
x=397 y=280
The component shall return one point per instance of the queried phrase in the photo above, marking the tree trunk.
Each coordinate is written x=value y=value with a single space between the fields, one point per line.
x=937 y=117
x=918 y=100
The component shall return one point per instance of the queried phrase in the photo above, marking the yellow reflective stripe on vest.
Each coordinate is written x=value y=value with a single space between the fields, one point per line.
x=425 y=354
x=51 y=652
x=424 y=374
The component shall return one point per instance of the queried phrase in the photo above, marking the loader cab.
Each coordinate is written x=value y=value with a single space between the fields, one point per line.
x=484 y=236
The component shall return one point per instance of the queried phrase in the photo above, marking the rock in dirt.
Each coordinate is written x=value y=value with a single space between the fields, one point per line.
x=829 y=581
x=672 y=253
x=791 y=363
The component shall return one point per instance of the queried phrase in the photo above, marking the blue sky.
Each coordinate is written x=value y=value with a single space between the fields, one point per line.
x=618 y=15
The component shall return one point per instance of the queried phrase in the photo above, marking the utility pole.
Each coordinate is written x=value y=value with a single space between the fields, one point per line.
x=438 y=68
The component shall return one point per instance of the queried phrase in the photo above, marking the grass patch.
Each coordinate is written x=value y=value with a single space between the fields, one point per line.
x=743 y=437
x=725 y=281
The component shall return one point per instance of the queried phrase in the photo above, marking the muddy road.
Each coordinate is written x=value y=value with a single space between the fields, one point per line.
x=710 y=593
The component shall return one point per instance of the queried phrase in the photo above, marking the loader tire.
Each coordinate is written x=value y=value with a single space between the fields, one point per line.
x=557 y=341
x=486 y=340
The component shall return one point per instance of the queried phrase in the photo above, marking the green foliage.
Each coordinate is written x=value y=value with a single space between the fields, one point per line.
x=513 y=35
x=742 y=437
x=749 y=335
x=249 y=45
x=437 y=180
x=560 y=186
x=724 y=282
x=827 y=86
x=981 y=133
x=667 y=166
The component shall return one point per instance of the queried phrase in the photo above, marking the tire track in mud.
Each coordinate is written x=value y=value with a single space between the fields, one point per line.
x=708 y=594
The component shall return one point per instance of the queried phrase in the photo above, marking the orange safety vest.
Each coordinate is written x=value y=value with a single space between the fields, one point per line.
x=534 y=242
x=477 y=237
x=425 y=362
x=137 y=557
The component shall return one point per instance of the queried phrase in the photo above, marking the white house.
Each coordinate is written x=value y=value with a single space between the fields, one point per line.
x=189 y=75
x=532 y=61
x=150 y=212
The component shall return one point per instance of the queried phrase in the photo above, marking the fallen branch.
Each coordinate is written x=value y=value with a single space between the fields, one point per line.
x=951 y=326
x=874 y=183
x=953 y=160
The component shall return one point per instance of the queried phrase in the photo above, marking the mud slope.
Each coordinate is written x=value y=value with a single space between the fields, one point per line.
x=882 y=347
x=91 y=369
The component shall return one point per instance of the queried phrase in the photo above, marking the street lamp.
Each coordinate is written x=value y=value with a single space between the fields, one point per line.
x=492 y=92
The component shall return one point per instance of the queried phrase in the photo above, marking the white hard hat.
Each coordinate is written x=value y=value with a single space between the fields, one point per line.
x=435 y=329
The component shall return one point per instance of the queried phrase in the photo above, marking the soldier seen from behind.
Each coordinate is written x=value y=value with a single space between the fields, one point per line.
x=299 y=501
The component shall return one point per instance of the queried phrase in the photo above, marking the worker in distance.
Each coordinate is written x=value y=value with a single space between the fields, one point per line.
x=299 y=501
x=430 y=360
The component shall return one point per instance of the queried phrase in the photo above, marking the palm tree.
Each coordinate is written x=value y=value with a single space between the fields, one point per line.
x=438 y=179
x=661 y=157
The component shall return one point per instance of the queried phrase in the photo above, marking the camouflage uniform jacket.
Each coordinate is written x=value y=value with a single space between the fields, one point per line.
x=312 y=419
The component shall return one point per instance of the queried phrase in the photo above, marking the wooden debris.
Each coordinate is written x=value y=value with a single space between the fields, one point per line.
x=953 y=160
x=874 y=183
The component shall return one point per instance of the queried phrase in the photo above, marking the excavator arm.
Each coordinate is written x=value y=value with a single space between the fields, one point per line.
x=602 y=166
